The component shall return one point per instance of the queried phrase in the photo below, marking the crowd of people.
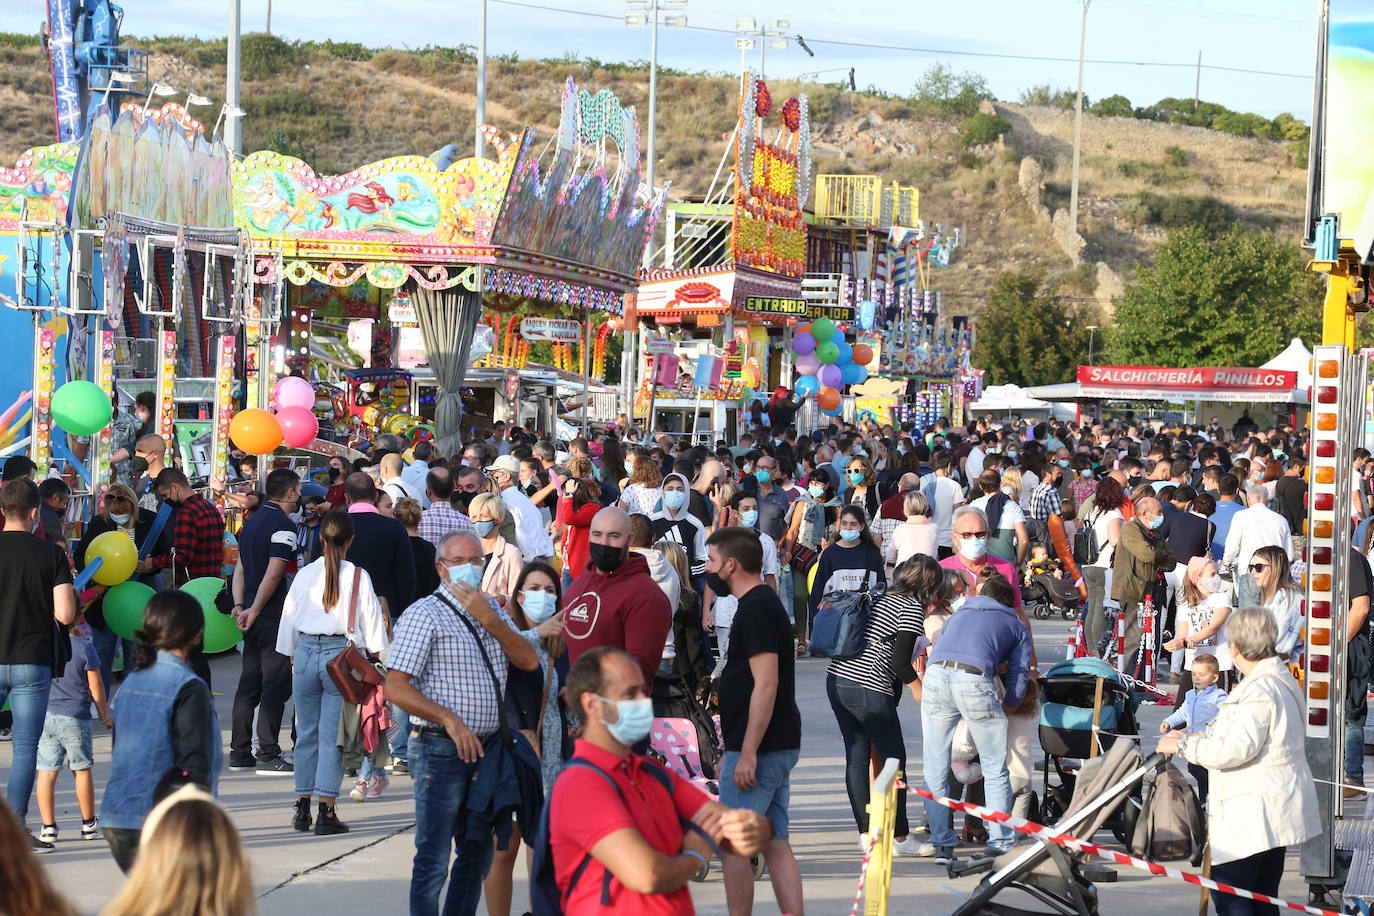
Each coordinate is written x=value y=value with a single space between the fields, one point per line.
x=526 y=607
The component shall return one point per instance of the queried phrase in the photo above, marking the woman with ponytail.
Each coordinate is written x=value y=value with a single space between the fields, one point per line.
x=164 y=719
x=314 y=629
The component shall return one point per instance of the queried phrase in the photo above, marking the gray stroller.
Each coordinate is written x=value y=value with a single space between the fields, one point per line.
x=1061 y=879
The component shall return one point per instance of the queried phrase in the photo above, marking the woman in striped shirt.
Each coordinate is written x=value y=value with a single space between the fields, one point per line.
x=864 y=691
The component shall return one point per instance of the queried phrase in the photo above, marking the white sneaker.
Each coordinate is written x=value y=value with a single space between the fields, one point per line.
x=913 y=847
x=865 y=843
x=359 y=792
x=48 y=834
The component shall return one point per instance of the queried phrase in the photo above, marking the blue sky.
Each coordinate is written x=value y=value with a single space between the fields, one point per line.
x=1265 y=35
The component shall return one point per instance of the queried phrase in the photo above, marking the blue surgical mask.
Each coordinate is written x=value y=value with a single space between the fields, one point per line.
x=816 y=491
x=469 y=574
x=957 y=603
x=973 y=548
x=484 y=529
x=1064 y=463
x=1156 y=522
x=120 y=518
x=1011 y=453
x=763 y=476
x=634 y=718
x=749 y=518
x=673 y=499
x=538 y=606
x=856 y=477
x=850 y=534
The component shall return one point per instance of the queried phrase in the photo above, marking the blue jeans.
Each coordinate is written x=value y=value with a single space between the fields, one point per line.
x=784 y=578
x=318 y=763
x=442 y=823
x=771 y=793
x=400 y=730
x=946 y=695
x=26 y=686
x=107 y=645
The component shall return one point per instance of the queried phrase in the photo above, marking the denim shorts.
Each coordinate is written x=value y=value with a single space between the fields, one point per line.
x=64 y=737
x=771 y=792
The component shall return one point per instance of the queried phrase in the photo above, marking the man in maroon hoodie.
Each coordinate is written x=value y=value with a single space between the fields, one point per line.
x=616 y=601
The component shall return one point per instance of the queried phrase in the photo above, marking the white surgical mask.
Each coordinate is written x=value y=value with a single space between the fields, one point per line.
x=538 y=606
x=973 y=548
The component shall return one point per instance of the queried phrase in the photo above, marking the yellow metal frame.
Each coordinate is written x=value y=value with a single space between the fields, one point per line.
x=1343 y=282
x=882 y=821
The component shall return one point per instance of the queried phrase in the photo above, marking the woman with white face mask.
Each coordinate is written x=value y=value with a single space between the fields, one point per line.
x=532 y=703
x=1203 y=606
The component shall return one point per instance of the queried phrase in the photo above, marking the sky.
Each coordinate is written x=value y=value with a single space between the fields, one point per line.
x=1015 y=44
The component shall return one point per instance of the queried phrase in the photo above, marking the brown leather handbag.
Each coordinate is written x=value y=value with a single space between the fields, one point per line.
x=351 y=672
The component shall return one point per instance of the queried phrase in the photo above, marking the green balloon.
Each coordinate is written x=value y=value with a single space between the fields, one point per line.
x=827 y=353
x=81 y=408
x=124 y=604
x=221 y=631
x=822 y=329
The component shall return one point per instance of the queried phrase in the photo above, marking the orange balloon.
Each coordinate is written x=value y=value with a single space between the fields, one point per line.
x=863 y=354
x=255 y=431
x=804 y=328
x=827 y=399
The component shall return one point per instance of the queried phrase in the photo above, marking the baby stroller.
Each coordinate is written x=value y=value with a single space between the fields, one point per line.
x=1049 y=873
x=675 y=743
x=1044 y=594
x=1069 y=695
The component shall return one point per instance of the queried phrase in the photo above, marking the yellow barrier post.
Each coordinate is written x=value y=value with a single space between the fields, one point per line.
x=882 y=820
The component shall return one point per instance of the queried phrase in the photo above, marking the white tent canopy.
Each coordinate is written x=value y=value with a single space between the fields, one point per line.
x=1294 y=358
x=1007 y=399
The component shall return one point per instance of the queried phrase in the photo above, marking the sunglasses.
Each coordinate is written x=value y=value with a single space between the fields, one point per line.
x=971 y=534
x=1256 y=567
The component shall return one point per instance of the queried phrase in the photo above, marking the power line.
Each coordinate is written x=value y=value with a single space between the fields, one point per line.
x=957 y=52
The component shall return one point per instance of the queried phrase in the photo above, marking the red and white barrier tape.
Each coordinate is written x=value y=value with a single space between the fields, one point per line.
x=863 y=875
x=1121 y=858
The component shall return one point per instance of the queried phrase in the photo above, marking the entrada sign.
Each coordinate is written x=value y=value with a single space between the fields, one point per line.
x=800 y=308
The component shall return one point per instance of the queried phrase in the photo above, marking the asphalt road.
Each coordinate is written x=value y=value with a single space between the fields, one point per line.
x=367 y=871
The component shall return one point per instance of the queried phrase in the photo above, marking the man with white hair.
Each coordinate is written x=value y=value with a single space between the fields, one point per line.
x=1251 y=528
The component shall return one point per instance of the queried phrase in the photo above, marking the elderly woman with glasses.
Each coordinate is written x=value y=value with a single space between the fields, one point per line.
x=1261 y=794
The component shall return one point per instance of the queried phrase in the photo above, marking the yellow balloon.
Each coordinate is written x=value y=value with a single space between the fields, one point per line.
x=120 y=557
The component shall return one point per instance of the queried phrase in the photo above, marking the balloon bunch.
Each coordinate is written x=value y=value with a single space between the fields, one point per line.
x=827 y=362
x=258 y=431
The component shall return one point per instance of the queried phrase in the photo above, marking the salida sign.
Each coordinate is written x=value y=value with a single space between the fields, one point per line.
x=1213 y=382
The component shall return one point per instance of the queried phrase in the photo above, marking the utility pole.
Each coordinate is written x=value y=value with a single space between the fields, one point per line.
x=1092 y=330
x=652 y=146
x=233 y=127
x=1197 y=85
x=479 y=141
x=269 y=17
x=1078 y=122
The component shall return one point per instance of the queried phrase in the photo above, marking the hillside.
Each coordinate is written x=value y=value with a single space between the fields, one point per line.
x=341 y=106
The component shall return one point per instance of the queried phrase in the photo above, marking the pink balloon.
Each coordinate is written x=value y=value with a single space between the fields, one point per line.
x=829 y=376
x=807 y=364
x=298 y=425
x=294 y=392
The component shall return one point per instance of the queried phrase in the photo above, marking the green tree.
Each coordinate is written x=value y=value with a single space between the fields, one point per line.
x=943 y=91
x=1232 y=300
x=1113 y=106
x=1028 y=334
x=982 y=129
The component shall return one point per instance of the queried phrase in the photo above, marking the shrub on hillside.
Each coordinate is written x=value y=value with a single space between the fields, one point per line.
x=1181 y=211
x=264 y=56
x=942 y=91
x=1113 y=106
x=982 y=129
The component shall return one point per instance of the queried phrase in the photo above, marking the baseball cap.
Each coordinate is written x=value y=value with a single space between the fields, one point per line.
x=505 y=463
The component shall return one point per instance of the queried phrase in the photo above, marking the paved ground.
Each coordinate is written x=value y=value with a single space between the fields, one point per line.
x=367 y=871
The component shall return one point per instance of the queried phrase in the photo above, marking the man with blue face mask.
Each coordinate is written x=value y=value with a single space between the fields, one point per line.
x=627 y=835
x=440 y=675
x=1142 y=552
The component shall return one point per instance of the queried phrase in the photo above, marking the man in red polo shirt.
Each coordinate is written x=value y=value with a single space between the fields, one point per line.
x=620 y=832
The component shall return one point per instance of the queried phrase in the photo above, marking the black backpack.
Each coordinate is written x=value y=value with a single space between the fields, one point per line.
x=546 y=899
x=1085 y=550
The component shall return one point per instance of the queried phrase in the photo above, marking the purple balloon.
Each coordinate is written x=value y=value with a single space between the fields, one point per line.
x=830 y=376
x=808 y=364
x=803 y=343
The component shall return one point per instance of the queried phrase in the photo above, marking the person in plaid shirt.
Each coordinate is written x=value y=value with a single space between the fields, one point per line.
x=198 y=545
x=441 y=518
x=438 y=676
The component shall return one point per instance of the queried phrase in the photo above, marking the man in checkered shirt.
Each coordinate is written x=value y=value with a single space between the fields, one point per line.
x=438 y=676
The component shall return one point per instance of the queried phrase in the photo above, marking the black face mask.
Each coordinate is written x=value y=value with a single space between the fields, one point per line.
x=717 y=585
x=606 y=558
x=139 y=465
x=463 y=499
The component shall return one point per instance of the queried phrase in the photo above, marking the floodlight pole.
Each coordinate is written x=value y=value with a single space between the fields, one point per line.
x=1078 y=123
x=233 y=128
x=653 y=105
x=479 y=141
